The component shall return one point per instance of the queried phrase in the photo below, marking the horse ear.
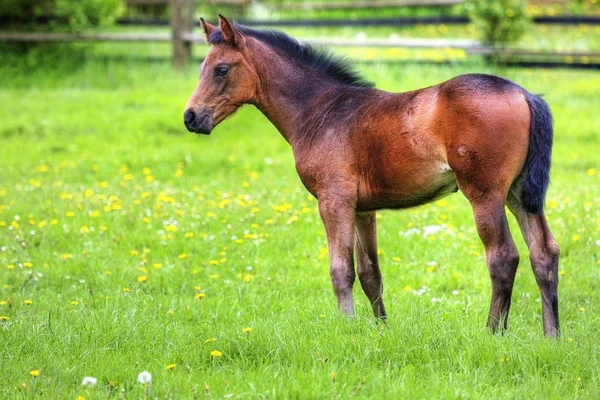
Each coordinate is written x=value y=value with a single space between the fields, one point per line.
x=207 y=28
x=230 y=34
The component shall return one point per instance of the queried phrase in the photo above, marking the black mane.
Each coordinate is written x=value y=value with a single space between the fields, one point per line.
x=320 y=59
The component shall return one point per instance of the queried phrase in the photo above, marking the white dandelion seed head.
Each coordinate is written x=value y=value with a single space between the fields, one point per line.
x=361 y=37
x=145 y=377
x=89 y=381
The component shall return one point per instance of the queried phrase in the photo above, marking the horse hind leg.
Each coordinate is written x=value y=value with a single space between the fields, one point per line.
x=501 y=255
x=368 y=261
x=544 y=254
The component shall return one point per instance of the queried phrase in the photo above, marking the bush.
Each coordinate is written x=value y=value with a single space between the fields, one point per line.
x=498 y=22
x=62 y=14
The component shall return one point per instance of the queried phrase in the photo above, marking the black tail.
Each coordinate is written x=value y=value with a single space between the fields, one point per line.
x=537 y=166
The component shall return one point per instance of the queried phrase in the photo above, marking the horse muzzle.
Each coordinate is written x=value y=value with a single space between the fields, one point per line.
x=198 y=122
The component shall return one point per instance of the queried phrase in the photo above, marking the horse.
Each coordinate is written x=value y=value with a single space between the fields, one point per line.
x=358 y=149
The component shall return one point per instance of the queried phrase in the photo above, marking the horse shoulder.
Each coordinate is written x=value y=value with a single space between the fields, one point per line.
x=326 y=163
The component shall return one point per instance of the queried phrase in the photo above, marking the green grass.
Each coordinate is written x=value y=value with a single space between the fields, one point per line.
x=100 y=185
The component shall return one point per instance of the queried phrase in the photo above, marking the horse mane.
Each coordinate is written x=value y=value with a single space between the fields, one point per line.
x=321 y=59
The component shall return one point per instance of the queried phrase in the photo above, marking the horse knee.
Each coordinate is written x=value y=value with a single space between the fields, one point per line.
x=342 y=277
x=503 y=266
x=371 y=282
x=369 y=275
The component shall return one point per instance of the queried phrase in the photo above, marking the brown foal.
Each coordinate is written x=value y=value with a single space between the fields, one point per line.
x=359 y=149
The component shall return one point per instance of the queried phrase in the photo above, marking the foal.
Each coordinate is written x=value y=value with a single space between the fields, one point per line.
x=359 y=149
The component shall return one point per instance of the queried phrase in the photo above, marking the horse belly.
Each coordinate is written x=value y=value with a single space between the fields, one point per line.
x=404 y=188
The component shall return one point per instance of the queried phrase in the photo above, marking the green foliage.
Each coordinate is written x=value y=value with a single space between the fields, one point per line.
x=72 y=15
x=498 y=22
x=85 y=13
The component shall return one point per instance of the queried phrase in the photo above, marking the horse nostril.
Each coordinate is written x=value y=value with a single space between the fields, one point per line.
x=189 y=116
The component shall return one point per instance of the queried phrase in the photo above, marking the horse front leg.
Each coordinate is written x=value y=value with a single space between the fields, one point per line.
x=368 y=261
x=337 y=212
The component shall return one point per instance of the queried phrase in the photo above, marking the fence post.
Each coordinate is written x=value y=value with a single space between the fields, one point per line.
x=182 y=12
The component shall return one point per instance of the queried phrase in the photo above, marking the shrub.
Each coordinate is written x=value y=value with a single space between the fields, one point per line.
x=62 y=14
x=498 y=22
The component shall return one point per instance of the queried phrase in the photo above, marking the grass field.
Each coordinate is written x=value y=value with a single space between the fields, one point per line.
x=128 y=244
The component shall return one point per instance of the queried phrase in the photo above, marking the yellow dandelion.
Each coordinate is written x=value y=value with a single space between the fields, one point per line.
x=74 y=302
x=126 y=290
x=27 y=264
x=576 y=238
x=247 y=330
x=430 y=269
x=28 y=302
x=407 y=288
x=34 y=372
x=591 y=171
x=4 y=318
x=200 y=296
x=582 y=309
x=216 y=353
x=171 y=228
x=170 y=367
x=562 y=273
x=182 y=256
x=142 y=278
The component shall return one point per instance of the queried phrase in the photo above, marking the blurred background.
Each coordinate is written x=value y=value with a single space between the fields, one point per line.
x=535 y=32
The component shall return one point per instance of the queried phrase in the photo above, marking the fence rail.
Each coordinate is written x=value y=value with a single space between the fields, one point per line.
x=182 y=36
x=470 y=46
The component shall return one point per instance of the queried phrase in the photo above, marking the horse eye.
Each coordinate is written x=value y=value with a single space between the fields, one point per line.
x=221 y=71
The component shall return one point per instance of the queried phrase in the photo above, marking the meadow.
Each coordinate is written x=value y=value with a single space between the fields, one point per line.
x=128 y=244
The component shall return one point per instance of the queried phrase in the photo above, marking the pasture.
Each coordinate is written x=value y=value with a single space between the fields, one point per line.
x=128 y=244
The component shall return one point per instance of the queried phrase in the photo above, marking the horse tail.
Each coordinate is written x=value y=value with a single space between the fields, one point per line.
x=537 y=165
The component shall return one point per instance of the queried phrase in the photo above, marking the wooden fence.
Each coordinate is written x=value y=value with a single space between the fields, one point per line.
x=182 y=36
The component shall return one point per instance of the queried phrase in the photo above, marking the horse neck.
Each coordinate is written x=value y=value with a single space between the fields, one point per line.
x=292 y=95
